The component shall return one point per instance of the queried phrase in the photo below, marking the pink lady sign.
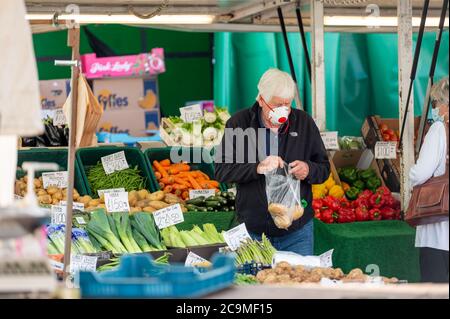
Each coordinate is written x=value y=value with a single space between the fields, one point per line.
x=143 y=64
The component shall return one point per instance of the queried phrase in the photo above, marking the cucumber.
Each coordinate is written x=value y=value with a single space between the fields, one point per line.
x=196 y=201
x=225 y=209
x=193 y=208
x=203 y=209
x=210 y=209
x=212 y=203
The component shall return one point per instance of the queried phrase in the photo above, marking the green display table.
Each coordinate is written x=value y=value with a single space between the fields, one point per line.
x=222 y=220
x=387 y=244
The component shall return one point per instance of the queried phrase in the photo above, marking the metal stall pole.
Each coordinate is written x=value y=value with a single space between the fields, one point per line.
x=414 y=66
x=318 y=66
x=405 y=63
x=73 y=41
x=302 y=35
x=288 y=52
x=426 y=102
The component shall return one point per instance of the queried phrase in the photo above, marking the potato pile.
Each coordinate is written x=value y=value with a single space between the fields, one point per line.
x=50 y=196
x=140 y=201
x=285 y=273
x=283 y=216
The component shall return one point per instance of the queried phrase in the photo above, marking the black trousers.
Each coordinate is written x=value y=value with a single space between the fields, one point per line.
x=433 y=265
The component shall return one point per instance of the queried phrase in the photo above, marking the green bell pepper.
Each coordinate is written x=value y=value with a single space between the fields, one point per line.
x=352 y=193
x=348 y=175
x=359 y=184
x=366 y=174
x=373 y=183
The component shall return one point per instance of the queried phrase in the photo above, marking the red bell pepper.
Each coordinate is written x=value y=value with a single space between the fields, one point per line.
x=317 y=214
x=375 y=214
x=346 y=215
x=383 y=190
x=362 y=213
x=387 y=213
x=345 y=203
x=365 y=194
x=328 y=216
x=317 y=204
x=376 y=201
x=361 y=201
x=331 y=202
x=389 y=201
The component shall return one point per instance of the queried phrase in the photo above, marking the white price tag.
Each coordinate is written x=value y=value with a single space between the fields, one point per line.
x=56 y=265
x=57 y=179
x=232 y=190
x=59 y=118
x=330 y=140
x=168 y=216
x=191 y=113
x=58 y=214
x=75 y=205
x=83 y=263
x=100 y=192
x=386 y=150
x=193 y=259
x=194 y=193
x=114 y=162
x=117 y=202
x=80 y=220
x=235 y=236
x=326 y=259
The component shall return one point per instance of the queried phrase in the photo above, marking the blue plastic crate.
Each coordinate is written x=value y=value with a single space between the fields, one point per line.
x=139 y=277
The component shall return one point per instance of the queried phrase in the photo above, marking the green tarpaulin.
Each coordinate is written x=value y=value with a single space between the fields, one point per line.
x=360 y=69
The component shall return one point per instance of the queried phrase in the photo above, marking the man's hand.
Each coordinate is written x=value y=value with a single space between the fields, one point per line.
x=299 y=169
x=270 y=163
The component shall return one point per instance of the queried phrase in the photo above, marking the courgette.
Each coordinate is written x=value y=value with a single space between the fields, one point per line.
x=212 y=203
x=196 y=201
x=193 y=208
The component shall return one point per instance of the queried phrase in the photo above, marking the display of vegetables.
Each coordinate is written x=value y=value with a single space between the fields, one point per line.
x=357 y=180
x=81 y=243
x=50 y=196
x=207 y=131
x=329 y=187
x=129 y=178
x=178 y=178
x=368 y=205
x=115 y=262
x=351 y=143
x=389 y=134
x=196 y=237
x=221 y=202
x=254 y=251
x=287 y=274
x=123 y=233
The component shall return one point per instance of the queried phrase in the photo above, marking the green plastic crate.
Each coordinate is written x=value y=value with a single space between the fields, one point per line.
x=50 y=155
x=192 y=153
x=88 y=157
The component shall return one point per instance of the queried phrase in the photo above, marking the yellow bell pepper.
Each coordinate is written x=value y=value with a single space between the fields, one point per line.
x=319 y=191
x=329 y=183
x=336 y=191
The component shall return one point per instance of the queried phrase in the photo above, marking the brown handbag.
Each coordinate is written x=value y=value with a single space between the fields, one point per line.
x=429 y=201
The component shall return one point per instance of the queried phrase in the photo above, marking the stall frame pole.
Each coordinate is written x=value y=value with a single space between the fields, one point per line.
x=318 y=65
x=303 y=37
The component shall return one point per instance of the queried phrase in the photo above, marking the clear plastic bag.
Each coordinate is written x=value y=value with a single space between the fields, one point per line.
x=283 y=197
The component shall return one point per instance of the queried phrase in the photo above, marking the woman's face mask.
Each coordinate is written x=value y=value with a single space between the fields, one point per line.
x=436 y=116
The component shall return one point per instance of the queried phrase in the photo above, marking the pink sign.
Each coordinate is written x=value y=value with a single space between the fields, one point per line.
x=123 y=66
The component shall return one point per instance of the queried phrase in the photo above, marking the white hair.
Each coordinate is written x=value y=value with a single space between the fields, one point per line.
x=439 y=92
x=276 y=83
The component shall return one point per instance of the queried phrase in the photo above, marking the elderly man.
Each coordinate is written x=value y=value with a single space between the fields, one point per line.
x=291 y=137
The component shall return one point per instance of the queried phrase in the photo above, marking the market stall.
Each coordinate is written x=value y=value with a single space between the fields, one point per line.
x=122 y=213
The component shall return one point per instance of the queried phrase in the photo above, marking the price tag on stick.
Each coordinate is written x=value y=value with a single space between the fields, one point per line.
x=235 y=236
x=57 y=179
x=58 y=214
x=83 y=263
x=168 y=216
x=117 y=202
x=193 y=259
x=191 y=113
x=114 y=162
x=386 y=150
x=330 y=140
x=194 y=193
x=59 y=118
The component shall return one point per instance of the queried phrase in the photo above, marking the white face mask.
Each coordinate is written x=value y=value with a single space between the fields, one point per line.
x=279 y=115
x=436 y=116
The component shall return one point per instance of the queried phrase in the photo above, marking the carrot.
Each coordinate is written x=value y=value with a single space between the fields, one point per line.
x=161 y=185
x=178 y=192
x=204 y=185
x=194 y=183
x=204 y=175
x=168 y=189
x=179 y=186
x=167 y=180
x=182 y=167
x=160 y=169
x=158 y=175
x=173 y=171
x=214 y=184
x=181 y=181
x=165 y=162
x=185 y=195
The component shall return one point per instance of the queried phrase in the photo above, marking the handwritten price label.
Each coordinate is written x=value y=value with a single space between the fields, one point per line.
x=59 y=118
x=386 y=150
x=57 y=179
x=191 y=113
x=58 y=214
x=193 y=259
x=330 y=140
x=194 y=193
x=235 y=236
x=111 y=190
x=114 y=162
x=168 y=216
x=75 y=205
x=117 y=202
x=83 y=263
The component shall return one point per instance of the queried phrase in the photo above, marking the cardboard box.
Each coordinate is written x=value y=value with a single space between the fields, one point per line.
x=131 y=105
x=54 y=93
